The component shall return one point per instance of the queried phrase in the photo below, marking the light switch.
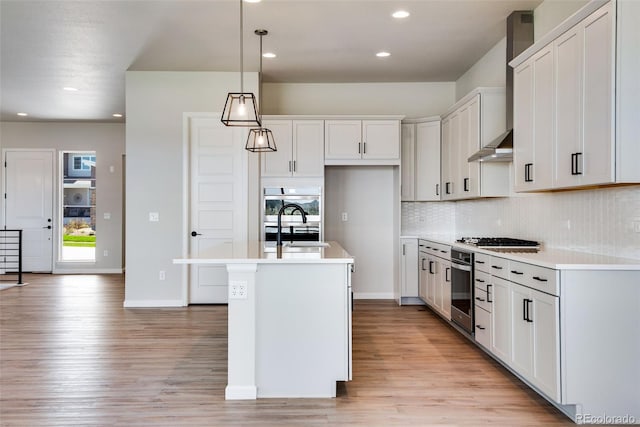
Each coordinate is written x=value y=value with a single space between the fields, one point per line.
x=112 y=169
x=107 y=215
x=154 y=216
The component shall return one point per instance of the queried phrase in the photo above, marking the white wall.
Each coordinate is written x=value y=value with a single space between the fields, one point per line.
x=155 y=105
x=107 y=140
x=490 y=71
x=368 y=195
x=550 y=13
x=410 y=99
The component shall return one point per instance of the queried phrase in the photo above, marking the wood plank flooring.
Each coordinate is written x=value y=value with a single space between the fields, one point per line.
x=71 y=355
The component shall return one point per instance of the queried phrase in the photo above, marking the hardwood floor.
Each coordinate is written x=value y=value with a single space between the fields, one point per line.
x=71 y=355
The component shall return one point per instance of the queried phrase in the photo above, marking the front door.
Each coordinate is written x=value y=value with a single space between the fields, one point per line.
x=29 y=205
x=218 y=203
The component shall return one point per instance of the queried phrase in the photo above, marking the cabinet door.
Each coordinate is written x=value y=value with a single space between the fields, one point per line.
x=568 y=64
x=446 y=289
x=342 y=139
x=471 y=187
x=308 y=148
x=446 y=175
x=431 y=283
x=597 y=160
x=437 y=278
x=545 y=315
x=381 y=139
x=523 y=124
x=407 y=163
x=501 y=320
x=521 y=331
x=409 y=268
x=280 y=162
x=427 y=174
x=462 y=165
x=543 y=119
x=424 y=278
x=483 y=327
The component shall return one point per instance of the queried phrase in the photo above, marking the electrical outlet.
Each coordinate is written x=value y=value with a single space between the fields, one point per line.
x=154 y=216
x=345 y=216
x=636 y=225
x=237 y=290
x=161 y=276
x=106 y=252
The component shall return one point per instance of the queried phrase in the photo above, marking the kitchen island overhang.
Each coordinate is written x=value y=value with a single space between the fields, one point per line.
x=289 y=319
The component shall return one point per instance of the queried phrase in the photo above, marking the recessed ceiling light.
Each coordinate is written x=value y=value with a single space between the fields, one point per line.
x=70 y=89
x=117 y=115
x=253 y=1
x=23 y=114
x=269 y=55
x=383 y=54
x=400 y=14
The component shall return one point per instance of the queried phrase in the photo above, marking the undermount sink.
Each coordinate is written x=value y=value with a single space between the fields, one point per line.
x=306 y=245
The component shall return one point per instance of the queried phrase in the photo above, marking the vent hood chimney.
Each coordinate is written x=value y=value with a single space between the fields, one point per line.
x=519 y=38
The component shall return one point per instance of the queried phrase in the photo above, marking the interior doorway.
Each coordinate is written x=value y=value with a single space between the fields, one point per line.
x=78 y=219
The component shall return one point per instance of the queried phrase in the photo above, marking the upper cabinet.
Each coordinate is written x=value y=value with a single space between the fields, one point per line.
x=575 y=102
x=300 y=149
x=421 y=160
x=470 y=124
x=362 y=142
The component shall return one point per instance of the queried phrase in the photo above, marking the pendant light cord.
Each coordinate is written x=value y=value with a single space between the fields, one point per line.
x=241 y=52
x=260 y=84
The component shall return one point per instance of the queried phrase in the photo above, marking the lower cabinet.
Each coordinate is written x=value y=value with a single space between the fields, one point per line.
x=409 y=276
x=423 y=277
x=501 y=320
x=435 y=277
x=483 y=327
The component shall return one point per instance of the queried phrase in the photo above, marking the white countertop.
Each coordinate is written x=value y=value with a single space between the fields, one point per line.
x=258 y=252
x=558 y=259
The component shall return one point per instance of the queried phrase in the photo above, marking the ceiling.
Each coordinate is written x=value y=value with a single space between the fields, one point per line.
x=88 y=45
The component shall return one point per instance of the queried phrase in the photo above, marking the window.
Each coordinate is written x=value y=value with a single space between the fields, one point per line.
x=83 y=163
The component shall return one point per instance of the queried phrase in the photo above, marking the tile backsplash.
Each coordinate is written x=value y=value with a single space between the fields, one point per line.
x=603 y=221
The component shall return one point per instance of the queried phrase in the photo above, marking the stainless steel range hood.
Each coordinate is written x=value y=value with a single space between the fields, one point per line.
x=519 y=38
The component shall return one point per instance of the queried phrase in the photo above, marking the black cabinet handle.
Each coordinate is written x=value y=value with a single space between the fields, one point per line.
x=480 y=327
x=529 y=319
x=480 y=280
x=539 y=279
x=519 y=273
x=447 y=188
x=447 y=275
x=194 y=234
x=497 y=267
x=422 y=264
x=466 y=184
x=359 y=148
x=479 y=299
x=479 y=262
x=524 y=309
x=430 y=265
x=575 y=164
x=437 y=189
x=489 y=285
x=527 y=172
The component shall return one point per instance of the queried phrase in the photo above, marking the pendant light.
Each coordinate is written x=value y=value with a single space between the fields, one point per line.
x=260 y=139
x=240 y=108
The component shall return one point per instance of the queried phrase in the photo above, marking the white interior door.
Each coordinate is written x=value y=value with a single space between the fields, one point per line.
x=218 y=203
x=29 y=205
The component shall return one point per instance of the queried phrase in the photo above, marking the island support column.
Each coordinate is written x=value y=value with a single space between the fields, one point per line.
x=241 y=381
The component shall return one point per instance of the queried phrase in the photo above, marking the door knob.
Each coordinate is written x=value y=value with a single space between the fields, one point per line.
x=48 y=226
x=194 y=234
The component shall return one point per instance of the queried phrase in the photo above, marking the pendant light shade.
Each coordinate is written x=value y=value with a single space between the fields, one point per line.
x=260 y=139
x=240 y=109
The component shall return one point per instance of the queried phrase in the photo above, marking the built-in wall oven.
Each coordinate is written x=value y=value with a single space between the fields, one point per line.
x=462 y=289
x=293 y=229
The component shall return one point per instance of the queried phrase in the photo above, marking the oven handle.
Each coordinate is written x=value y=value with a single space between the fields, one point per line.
x=460 y=266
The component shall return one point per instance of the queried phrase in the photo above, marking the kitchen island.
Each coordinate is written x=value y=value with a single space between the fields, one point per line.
x=289 y=319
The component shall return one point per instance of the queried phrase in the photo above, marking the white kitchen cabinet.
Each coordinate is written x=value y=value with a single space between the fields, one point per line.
x=421 y=160
x=575 y=102
x=409 y=277
x=533 y=122
x=501 y=320
x=436 y=271
x=364 y=141
x=300 y=149
x=471 y=123
x=483 y=327
x=423 y=276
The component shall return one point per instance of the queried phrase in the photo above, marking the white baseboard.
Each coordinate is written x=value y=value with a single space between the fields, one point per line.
x=239 y=392
x=150 y=303
x=373 y=295
x=87 y=271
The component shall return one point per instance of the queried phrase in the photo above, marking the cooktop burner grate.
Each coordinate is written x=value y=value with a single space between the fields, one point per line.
x=502 y=244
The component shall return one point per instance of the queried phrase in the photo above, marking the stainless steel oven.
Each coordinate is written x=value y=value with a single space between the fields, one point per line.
x=462 y=289
x=293 y=229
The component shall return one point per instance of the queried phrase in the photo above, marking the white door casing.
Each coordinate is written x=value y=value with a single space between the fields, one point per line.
x=28 y=205
x=218 y=202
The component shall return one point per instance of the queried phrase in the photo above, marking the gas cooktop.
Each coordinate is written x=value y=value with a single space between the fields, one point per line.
x=501 y=244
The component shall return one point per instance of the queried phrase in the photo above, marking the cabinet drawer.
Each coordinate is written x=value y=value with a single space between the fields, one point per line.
x=435 y=249
x=482 y=279
x=536 y=277
x=483 y=327
x=481 y=299
x=499 y=267
x=482 y=262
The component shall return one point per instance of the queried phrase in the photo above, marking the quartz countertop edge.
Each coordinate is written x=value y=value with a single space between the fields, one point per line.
x=255 y=252
x=557 y=259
